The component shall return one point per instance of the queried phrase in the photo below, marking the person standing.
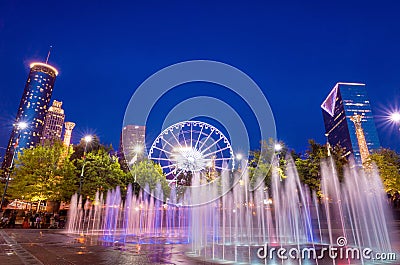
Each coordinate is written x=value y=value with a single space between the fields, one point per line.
x=13 y=217
x=32 y=220
x=25 y=223
x=38 y=221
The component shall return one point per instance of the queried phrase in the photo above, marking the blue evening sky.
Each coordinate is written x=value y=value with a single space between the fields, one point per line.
x=294 y=50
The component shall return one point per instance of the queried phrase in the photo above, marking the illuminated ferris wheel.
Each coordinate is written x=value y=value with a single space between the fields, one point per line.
x=192 y=147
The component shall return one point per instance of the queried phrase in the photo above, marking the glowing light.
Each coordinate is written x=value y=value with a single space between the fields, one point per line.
x=138 y=149
x=88 y=138
x=278 y=147
x=189 y=159
x=45 y=65
x=395 y=117
x=239 y=156
x=22 y=125
x=267 y=201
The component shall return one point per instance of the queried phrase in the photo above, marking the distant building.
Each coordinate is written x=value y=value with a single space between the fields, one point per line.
x=132 y=143
x=53 y=122
x=347 y=100
x=32 y=109
x=69 y=126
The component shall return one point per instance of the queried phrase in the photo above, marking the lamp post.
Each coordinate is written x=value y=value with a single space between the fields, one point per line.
x=278 y=148
x=20 y=126
x=239 y=158
x=87 y=139
x=138 y=150
x=395 y=117
x=328 y=145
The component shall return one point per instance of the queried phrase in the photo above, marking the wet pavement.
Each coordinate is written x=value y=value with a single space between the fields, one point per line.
x=53 y=247
x=33 y=246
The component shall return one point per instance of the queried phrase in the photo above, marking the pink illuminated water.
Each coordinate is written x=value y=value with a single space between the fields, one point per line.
x=232 y=227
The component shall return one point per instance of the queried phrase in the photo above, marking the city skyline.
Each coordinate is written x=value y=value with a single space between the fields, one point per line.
x=344 y=102
x=53 y=122
x=32 y=110
x=97 y=77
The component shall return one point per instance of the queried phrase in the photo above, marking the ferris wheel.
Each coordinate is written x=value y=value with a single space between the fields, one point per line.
x=192 y=147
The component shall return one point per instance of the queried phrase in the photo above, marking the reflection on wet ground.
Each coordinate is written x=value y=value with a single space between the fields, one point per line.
x=53 y=247
x=31 y=246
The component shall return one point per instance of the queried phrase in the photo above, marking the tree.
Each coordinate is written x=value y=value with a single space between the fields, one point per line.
x=388 y=163
x=44 y=172
x=102 y=172
x=93 y=145
x=309 y=167
x=260 y=163
x=146 y=172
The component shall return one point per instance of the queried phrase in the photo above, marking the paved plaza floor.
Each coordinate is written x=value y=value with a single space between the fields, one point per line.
x=34 y=246
x=53 y=247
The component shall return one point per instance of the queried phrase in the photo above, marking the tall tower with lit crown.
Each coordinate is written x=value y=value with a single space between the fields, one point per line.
x=338 y=110
x=69 y=126
x=53 y=122
x=32 y=108
x=362 y=143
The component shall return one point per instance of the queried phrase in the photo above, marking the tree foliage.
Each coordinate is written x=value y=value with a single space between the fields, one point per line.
x=93 y=145
x=388 y=163
x=102 y=172
x=51 y=172
x=43 y=173
x=262 y=160
x=309 y=166
x=146 y=172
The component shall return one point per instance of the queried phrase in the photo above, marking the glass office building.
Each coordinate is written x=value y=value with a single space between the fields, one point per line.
x=32 y=109
x=53 y=122
x=132 y=145
x=344 y=101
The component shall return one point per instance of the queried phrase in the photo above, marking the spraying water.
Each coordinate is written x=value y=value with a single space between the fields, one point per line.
x=234 y=227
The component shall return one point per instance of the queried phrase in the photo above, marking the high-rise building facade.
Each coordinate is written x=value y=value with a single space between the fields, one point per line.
x=345 y=101
x=69 y=126
x=32 y=109
x=53 y=122
x=132 y=143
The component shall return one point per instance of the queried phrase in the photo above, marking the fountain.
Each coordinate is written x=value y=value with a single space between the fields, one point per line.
x=243 y=226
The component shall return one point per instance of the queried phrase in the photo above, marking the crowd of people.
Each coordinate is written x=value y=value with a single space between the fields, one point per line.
x=34 y=220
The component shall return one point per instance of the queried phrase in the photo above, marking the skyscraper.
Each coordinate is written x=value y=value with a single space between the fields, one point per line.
x=53 y=122
x=132 y=143
x=32 y=109
x=69 y=126
x=343 y=102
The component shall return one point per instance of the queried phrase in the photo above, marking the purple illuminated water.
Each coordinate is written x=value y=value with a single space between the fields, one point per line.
x=234 y=226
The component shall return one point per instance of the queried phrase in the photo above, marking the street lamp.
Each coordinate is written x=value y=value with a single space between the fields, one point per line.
x=20 y=127
x=395 y=117
x=87 y=139
x=240 y=158
x=278 y=148
x=138 y=149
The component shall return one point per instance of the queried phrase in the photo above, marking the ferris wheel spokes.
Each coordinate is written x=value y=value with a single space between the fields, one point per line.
x=192 y=148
